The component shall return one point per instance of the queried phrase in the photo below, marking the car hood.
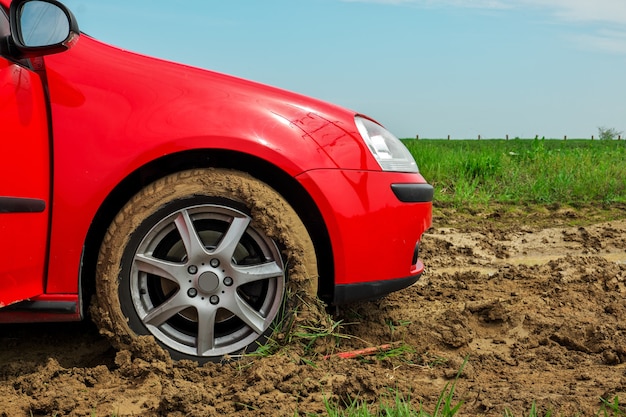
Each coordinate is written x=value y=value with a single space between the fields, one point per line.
x=215 y=84
x=155 y=97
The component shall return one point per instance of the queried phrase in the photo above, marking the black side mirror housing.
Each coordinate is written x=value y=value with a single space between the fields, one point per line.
x=41 y=27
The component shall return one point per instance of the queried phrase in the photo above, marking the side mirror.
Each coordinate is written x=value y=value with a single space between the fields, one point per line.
x=42 y=27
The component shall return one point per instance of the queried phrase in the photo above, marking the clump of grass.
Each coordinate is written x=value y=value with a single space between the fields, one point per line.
x=310 y=335
x=608 y=409
x=534 y=412
x=398 y=406
x=395 y=325
x=288 y=331
x=395 y=352
x=611 y=408
x=430 y=360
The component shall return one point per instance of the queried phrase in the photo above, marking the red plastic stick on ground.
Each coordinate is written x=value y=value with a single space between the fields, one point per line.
x=360 y=352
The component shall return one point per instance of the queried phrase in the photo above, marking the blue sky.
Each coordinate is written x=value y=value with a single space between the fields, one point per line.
x=429 y=67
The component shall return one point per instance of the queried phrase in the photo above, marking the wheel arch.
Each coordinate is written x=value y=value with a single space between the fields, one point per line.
x=272 y=175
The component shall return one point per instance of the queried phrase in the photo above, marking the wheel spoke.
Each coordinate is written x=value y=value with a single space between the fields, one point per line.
x=206 y=330
x=158 y=267
x=240 y=308
x=174 y=305
x=231 y=238
x=247 y=274
x=193 y=245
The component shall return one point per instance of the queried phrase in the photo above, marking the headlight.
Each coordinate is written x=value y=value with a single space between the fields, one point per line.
x=390 y=153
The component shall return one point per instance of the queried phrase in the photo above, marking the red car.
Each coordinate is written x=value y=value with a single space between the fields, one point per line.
x=187 y=204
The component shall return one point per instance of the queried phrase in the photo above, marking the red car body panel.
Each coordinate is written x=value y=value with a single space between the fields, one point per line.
x=24 y=174
x=361 y=211
x=114 y=112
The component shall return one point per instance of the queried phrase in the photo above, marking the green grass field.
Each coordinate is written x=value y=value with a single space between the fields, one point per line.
x=523 y=171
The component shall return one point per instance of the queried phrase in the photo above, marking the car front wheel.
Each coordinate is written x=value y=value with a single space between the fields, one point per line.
x=194 y=260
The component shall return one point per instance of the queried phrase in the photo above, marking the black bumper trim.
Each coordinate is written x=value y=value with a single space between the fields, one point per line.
x=413 y=193
x=21 y=205
x=350 y=293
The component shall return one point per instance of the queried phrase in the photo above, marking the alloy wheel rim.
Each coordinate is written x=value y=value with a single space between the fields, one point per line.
x=205 y=282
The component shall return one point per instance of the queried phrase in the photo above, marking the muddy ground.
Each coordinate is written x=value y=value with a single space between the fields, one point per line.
x=535 y=298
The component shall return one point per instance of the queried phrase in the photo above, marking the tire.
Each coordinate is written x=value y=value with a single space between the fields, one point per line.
x=197 y=260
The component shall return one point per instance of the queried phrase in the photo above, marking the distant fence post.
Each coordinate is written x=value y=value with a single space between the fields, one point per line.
x=565 y=137
x=536 y=136
x=478 y=137
x=448 y=137
x=591 y=137
x=619 y=137
x=507 y=137
x=417 y=137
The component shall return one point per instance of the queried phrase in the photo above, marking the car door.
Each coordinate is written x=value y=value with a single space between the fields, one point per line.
x=24 y=178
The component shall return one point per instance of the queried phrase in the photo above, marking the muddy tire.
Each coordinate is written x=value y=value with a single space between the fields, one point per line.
x=200 y=261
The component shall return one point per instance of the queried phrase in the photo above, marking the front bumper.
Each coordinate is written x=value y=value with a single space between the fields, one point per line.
x=350 y=293
x=375 y=221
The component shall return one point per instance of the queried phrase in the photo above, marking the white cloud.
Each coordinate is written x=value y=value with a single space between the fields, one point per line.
x=613 y=11
x=605 y=40
x=475 y=4
x=598 y=11
x=606 y=17
x=610 y=15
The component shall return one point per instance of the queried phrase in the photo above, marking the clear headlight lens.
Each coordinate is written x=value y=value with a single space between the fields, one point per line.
x=390 y=153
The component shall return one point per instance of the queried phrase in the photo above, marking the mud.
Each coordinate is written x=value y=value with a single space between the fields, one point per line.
x=534 y=298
